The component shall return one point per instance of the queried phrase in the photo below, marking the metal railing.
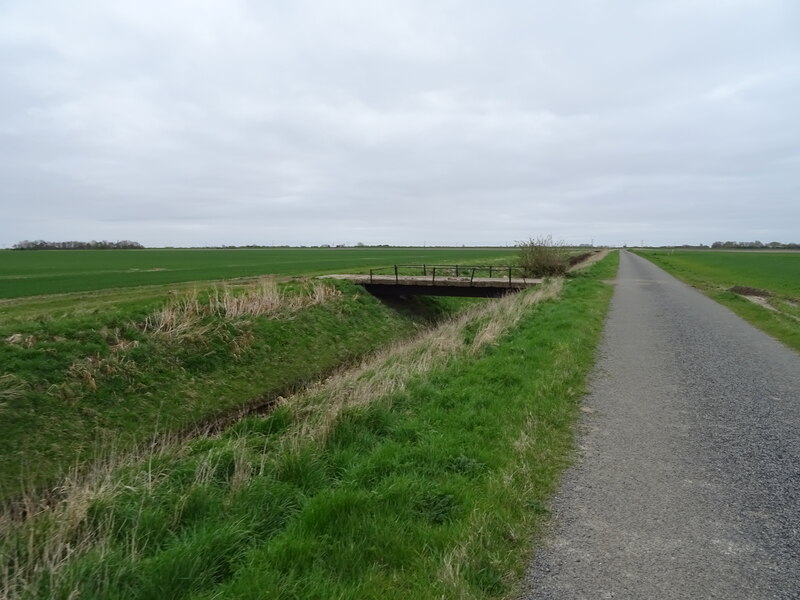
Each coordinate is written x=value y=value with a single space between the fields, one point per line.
x=464 y=272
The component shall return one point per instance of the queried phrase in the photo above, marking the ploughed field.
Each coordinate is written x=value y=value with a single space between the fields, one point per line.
x=30 y=273
x=762 y=287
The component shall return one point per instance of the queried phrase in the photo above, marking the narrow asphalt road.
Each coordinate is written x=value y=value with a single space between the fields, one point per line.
x=687 y=479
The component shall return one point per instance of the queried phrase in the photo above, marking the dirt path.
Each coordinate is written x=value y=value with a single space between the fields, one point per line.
x=688 y=479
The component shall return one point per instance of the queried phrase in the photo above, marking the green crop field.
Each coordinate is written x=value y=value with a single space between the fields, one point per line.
x=777 y=272
x=31 y=273
x=715 y=273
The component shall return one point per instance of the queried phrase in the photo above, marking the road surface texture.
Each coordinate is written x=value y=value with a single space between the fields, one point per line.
x=687 y=483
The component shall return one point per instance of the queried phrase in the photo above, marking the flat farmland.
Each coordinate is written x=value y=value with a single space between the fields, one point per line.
x=32 y=273
x=398 y=476
x=778 y=272
x=775 y=310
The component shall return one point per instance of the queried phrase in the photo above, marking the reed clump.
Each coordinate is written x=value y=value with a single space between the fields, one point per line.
x=189 y=314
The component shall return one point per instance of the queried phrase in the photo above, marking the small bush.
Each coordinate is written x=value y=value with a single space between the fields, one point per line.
x=542 y=257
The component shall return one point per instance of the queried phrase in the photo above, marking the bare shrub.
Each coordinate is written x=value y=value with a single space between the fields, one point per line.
x=543 y=257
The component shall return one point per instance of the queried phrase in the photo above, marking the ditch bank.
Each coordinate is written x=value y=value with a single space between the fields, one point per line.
x=78 y=388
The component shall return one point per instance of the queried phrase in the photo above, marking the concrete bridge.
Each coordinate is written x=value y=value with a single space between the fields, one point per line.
x=476 y=281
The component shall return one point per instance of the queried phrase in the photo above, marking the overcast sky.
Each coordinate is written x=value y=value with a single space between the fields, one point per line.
x=203 y=122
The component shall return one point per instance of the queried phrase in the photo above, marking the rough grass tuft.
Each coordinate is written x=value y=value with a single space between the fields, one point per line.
x=188 y=315
x=12 y=387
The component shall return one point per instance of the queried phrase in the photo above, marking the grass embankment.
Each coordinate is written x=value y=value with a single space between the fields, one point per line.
x=78 y=383
x=420 y=474
x=715 y=273
x=29 y=273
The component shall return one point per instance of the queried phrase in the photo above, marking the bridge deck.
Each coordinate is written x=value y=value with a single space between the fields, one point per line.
x=438 y=286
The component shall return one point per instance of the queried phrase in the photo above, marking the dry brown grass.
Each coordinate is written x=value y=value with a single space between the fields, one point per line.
x=318 y=407
x=263 y=298
x=83 y=374
x=19 y=339
x=52 y=530
x=179 y=318
x=12 y=387
x=188 y=315
x=266 y=298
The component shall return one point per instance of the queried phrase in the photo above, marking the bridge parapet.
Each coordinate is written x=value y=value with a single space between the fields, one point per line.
x=442 y=280
x=461 y=272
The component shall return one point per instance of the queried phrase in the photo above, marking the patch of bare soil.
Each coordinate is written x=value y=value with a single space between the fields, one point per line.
x=761 y=298
x=754 y=295
x=761 y=301
x=744 y=290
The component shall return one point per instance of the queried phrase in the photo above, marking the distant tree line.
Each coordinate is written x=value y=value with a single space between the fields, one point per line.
x=93 y=245
x=755 y=245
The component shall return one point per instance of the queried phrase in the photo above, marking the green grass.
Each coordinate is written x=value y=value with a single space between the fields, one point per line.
x=433 y=489
x=31 y=273
x=78 y=383
x=715 y=273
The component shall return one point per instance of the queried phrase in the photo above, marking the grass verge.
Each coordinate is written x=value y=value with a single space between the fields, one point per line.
x=421 y=474
x=715 y=273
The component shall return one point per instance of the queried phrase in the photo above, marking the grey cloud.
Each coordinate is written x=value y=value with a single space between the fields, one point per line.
x=385 y=122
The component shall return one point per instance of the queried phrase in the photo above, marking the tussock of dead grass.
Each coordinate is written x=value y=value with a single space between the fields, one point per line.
x=42 y=536
x=26 y=341
x=261 y=299
x=188 y=314
x=179 y=318
x=12 y=387
x=84 y=374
